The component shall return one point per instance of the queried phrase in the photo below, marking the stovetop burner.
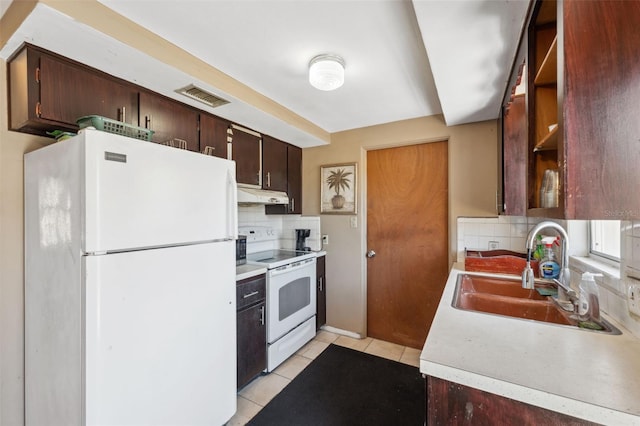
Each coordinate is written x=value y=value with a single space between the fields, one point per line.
x=275 y=258
x=262 y=243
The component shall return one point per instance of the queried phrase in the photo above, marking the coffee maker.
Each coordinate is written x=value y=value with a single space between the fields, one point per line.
x=301 y=237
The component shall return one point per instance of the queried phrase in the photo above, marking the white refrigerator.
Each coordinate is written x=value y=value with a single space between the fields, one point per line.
x=129 y=284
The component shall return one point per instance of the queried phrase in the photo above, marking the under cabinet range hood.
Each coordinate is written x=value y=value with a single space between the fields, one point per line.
x=261 y=196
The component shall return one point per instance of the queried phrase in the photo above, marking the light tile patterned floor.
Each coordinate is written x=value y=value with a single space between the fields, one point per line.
x=258 y=393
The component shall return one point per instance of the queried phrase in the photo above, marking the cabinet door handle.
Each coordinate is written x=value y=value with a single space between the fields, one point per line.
x=123 y=117
x=262 y=315
x=268 y=179
x=253 y=293
x=293 y=204
x=147 y=122
x=320 y=283
x=258 y=178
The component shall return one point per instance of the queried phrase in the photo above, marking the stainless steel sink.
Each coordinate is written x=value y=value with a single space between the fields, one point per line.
x=498 y=286
x=504 y=296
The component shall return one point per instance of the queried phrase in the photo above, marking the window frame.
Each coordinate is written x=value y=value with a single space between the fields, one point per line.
x=598 y=254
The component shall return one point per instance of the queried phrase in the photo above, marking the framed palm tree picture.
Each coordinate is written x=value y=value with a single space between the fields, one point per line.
x=338 y=188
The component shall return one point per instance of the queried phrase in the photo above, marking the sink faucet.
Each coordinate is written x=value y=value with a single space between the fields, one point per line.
x=566 y=295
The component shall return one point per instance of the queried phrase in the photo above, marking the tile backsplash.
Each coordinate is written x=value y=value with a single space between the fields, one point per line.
x=292 y=222
x=254 y=215
x=510 y=232
x=488 y=233
x=480 y=233
x=285 y=225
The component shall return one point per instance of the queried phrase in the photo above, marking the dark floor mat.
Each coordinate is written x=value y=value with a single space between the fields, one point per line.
x=346 y=387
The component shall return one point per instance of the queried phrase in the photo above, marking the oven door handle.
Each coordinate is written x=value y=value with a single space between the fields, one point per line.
x=291 y=267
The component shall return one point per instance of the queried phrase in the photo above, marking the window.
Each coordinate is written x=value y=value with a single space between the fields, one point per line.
x=604 y=239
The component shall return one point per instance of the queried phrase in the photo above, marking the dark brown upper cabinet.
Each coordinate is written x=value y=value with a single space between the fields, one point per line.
x=170 y=120
x=247 y=153
x=601 y=147
x=513 y=177
x=48 y=92
x=274 y=164
x=294 y=184
x=582 y=110
x=294 y=171
x=214 y=134
x=514 y=146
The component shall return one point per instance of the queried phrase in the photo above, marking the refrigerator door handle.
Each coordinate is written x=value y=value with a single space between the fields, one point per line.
x=232 y=205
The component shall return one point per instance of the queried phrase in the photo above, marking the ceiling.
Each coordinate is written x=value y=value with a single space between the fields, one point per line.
x=404 y=59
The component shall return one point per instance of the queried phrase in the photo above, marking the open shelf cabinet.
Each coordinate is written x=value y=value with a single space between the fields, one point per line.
x=544 y=146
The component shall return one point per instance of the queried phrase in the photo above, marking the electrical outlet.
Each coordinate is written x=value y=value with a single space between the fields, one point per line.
x=354 y=221
x=634 y=299
x=494 y=245
x=325 y=239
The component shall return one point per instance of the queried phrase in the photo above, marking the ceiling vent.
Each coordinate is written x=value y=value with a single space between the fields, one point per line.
x=203 y=96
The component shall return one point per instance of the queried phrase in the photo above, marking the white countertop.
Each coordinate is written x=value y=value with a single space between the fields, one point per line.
x=587 y=375
x=247 y=271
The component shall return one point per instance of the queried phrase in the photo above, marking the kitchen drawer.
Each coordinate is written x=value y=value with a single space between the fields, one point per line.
x=250 y=291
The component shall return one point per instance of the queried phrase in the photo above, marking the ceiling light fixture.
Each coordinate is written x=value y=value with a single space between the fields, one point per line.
x=326 y=72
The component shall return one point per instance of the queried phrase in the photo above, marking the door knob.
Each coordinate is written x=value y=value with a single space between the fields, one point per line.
x=371 y=254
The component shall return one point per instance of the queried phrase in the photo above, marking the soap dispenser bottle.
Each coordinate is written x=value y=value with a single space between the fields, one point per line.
x=588 y=303
x=549 y=267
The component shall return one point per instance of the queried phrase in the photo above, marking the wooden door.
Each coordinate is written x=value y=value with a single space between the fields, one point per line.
x=407 y=227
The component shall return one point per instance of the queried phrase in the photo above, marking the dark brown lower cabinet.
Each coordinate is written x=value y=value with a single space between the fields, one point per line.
x=450 y=403
x=252 y=346
x=251 y=329
x=321 y=295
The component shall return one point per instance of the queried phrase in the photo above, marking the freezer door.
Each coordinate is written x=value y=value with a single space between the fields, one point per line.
x=161 y=336
x=142 y=194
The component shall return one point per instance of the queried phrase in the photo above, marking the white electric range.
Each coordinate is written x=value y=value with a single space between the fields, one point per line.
x=291 y=293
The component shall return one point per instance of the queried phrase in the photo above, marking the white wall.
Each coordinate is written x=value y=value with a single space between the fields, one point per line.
x=12 y=148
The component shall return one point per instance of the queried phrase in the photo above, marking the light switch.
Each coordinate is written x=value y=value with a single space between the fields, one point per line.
x=354 y=221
